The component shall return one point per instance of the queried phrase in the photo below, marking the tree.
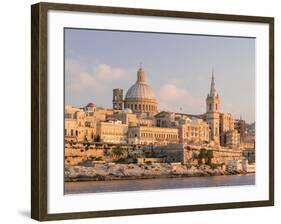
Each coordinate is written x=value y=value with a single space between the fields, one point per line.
x=207 y=155
x=202 y=155
x=118 y=152
x=97 y=138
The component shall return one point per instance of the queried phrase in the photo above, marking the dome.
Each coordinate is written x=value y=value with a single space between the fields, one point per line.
x=140 y=91
x=140 y=98
x=91 y=104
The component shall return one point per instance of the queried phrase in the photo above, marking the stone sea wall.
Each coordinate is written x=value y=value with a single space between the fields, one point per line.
x=112 y=171
x=78 y=154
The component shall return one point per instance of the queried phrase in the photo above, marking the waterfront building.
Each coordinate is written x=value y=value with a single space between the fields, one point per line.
x=232 y=138
x=152 y=135
x=228 y=135
x=79 y=125
x=112 y=132
x=194 y=131
x=226 y=122
x=240 y=126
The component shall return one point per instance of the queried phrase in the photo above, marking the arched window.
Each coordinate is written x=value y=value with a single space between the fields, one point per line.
x=210 y=107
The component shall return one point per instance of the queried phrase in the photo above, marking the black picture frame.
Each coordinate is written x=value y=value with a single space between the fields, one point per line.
x=39 y=106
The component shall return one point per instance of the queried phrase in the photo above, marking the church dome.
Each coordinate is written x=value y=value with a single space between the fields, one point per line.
x=140 y=98
x=140 y=90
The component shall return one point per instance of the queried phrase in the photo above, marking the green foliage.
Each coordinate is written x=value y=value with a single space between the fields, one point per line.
x=118 y=151
x=207 y=155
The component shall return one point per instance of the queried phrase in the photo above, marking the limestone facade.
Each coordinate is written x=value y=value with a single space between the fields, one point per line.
x=152 y=135
x=112 y=132
x=196 y=131
x=79 y=125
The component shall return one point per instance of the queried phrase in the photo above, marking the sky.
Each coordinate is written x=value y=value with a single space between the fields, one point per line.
x=178 y=67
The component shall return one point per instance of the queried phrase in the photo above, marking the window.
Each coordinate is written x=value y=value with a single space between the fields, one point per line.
x=210 y=107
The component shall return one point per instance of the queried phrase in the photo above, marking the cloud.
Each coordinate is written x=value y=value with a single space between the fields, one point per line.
x=81 y=77
x=105 y=72
x=173 y=98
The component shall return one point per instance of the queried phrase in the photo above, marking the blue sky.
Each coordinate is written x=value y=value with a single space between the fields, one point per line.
x=178 y=67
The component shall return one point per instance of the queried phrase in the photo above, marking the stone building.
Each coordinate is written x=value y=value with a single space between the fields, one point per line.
x=240 y=126
x=226 y=122
x=140 y=97
x=79 y=125
x=112 y=132
x=101 y=114
x=152 y=135
x=228 y=135
x=212 y=114
x=194 y=131
x=90 y=109
x=165 y=119
x=232 y=138
x=126 y=116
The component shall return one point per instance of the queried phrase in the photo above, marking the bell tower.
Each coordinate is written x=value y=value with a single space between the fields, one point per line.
x=117 y=99
x=212 y=112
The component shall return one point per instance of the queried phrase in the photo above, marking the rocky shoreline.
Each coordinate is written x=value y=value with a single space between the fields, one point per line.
x=112 y=171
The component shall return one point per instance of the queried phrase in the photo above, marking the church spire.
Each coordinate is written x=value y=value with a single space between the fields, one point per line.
x=213 y=91
x=141 y=76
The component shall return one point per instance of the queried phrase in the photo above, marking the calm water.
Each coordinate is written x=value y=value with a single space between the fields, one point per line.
x=154 y=184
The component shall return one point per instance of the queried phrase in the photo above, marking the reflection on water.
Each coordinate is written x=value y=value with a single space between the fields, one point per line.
x=154 y=184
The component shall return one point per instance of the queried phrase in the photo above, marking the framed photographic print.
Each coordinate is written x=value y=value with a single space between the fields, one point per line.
x=141 y=111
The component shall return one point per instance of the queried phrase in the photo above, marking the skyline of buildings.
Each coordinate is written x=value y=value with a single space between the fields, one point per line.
x=135 y=119
x=178 y=68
